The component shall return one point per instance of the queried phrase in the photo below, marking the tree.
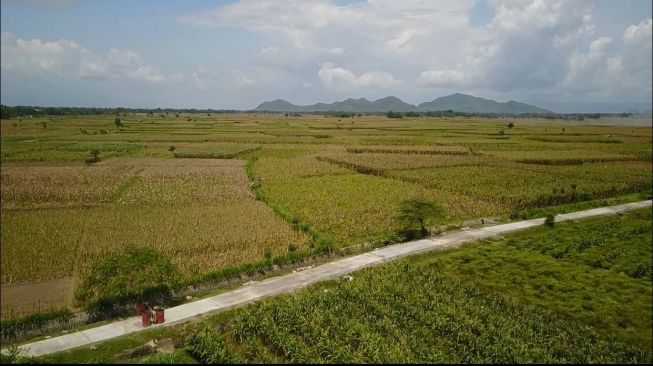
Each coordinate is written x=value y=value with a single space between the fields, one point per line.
x=392 y=114
x=118 y=123
x=416 y=211
x=93 y=157
x=137 y=273
x=511 y=125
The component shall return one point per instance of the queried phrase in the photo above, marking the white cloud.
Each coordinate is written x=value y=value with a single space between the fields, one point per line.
x=317 y=49
x=337 y=77
x=67 y=59
x=36 y=56
x=638 y=34
x=440 y=78
x=609 y=67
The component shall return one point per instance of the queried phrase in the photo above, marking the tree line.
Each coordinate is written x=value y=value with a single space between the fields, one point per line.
x=7 y=112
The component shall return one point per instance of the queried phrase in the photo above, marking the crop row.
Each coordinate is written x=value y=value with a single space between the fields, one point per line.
x=402 y=314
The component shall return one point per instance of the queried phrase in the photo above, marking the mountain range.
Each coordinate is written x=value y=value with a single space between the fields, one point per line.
x=456 y=102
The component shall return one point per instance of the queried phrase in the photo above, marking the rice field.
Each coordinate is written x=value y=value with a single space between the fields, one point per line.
x=199 y=212
x=214 y=191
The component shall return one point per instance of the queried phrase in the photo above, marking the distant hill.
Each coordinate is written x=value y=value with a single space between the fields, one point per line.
x=471 y=104
x=348 y=105
x=456 y=102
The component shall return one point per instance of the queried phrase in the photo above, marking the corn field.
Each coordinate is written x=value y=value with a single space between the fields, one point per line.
x=402 y=314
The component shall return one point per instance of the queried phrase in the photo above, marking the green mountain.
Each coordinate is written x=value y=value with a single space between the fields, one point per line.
x=471 y=104
x=348 y=105
x=456 y=102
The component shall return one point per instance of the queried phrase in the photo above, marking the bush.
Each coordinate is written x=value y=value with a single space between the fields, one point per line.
x=550 y=220
x=12 y=325
x=172 y=148
x=417 y=211
x=392 y=114
x=139 y=273
x=267 y=253
x=94 y=157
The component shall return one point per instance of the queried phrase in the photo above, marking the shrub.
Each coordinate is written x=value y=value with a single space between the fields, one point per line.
x=137 y=273
x=94 y=157
x=172 y=148
x=550 y=220
x=416 y=211
x=392 y=114
x=267 y=253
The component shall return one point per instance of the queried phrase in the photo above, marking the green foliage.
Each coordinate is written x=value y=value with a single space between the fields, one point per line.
x=401 y=313
x=392 y=114
x=137 y=273
x=417 y=211
x=11 y=325
x=511 y=125
x=94 y=157
x=10 y=355
x=208 y=346
x=267 y=253
x=177 y=357
x=550 y=220
x=172 y=148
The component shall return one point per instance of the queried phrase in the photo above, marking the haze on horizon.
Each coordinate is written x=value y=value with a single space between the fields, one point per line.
x=565 y=55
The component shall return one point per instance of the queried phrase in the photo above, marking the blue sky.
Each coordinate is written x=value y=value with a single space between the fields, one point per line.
x=237 y=54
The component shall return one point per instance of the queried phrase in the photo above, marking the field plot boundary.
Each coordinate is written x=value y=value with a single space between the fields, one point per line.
x=298 y=279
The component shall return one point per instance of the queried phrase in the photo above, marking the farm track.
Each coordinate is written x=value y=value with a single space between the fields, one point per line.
x=291 y=282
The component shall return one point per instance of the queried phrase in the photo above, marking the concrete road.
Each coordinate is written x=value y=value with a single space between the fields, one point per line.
x=286 y=283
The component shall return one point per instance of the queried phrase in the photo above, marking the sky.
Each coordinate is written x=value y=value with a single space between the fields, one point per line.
x=564 y=55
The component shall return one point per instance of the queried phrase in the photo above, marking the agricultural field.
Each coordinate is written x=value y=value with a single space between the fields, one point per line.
x=578 y=292
x=58 y=220
x=211 y=191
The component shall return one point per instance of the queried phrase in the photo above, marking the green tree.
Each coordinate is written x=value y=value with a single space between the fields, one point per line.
x=135 y=274
x=417 y=211
x=550 y=220
x=118 y=123
x=94 y=156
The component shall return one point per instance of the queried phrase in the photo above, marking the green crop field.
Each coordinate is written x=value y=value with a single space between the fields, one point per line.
x=576 y=293
x=224 y=190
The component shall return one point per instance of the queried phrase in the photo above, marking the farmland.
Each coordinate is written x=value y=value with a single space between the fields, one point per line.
x=574 y=293
x=578 y=292
x=211 y=191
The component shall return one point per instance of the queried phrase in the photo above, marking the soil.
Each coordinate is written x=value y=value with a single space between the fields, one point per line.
x=25 y=298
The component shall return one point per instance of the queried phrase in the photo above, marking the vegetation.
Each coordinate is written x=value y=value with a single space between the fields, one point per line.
x=313 y=182
x=127 y=276
x=417 y=211
x=505 y=302
x=392 y=114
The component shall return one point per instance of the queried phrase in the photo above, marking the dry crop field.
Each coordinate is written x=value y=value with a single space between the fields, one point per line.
x=204 y=189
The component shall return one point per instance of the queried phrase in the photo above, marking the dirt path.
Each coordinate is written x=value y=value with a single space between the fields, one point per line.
x=40 y=296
